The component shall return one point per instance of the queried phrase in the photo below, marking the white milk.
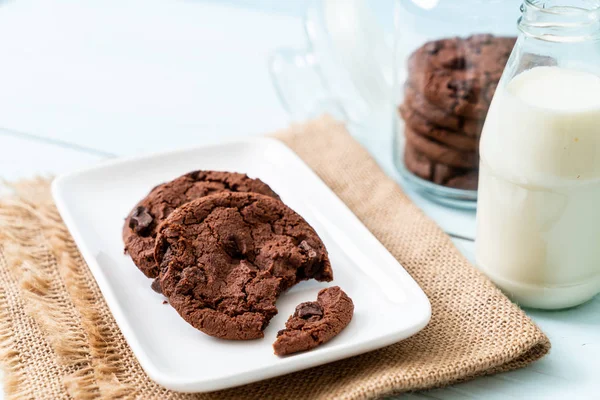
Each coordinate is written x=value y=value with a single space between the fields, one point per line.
x=538 y=221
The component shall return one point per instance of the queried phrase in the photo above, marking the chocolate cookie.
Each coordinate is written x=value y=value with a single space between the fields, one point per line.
x=421 y=166
x=315 y=323
x=440 y=153
x=421 y=125
x=142 y=223
x=468 y=181
x=224 y=259
x=460 y=75
x=417 y=163
x=439 y=117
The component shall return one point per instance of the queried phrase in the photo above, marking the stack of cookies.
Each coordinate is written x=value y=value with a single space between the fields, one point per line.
x=449 y=88
x=222 y=247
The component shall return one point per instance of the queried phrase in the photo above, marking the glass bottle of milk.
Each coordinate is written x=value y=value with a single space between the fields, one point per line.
x=538 y=217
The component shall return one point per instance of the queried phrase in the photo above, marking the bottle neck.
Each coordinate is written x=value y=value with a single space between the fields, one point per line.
x=561 y=20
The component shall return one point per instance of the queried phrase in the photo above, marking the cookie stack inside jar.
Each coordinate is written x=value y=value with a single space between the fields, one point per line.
x=450 y=84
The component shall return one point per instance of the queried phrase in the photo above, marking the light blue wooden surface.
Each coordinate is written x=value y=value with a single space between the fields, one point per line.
x=74 y=93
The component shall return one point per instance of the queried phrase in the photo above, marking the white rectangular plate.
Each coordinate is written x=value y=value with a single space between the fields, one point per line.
x=389 y=305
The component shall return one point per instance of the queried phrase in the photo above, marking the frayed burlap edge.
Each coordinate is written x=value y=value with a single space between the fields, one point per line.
x=56 y=297
x=14 y=376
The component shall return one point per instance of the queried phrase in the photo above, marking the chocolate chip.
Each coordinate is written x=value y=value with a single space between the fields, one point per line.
x=456 y=62
x=309 y=309
x=190 y=278
x=308 y=249
x=140 y=220
x=234 y=246
x=156 y=286
x=196 y=175
x=280 y=332
x=165 y=302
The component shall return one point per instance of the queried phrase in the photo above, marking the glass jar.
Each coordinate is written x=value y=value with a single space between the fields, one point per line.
x=449 y=56
x=356 y=67
x=538 y=217
x=345 y=70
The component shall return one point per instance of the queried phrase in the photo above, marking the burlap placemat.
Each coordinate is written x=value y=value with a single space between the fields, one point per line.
x=59 y=340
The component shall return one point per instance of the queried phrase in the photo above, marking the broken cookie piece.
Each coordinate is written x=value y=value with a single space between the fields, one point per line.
x=315 y=322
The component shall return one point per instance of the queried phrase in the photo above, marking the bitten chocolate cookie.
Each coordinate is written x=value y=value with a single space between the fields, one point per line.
x=315 y=322
x=224 y=259
x=421 y=125
x=460 y=75
x=440 y=153
x=140 y=226
x=421 y=166
x=440 y=118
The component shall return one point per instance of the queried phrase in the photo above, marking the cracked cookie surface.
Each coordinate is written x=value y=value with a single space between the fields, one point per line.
x=225 y=258
x=142 y=222
x=315 y=322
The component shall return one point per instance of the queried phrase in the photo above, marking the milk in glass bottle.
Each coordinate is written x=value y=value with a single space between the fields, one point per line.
x=538 y=217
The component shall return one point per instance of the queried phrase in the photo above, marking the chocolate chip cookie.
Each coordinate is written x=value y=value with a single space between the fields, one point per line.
x=316 y=322
x=460 y=75
x=417 y=163
x=440 y=153
x=440 y=118
x=421 y=166
x=225 y=258
x=142 y=223
x=468 y=181
x=419 y=124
